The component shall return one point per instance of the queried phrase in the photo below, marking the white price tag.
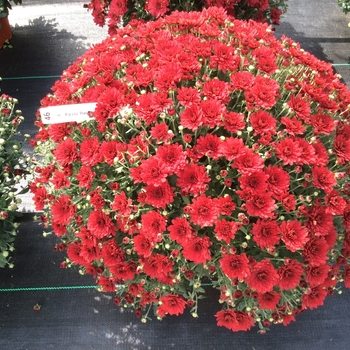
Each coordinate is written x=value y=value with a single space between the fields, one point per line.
x=67 y=113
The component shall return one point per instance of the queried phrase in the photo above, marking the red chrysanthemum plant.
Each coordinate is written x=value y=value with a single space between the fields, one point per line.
x=116 y=13
x=215 y=155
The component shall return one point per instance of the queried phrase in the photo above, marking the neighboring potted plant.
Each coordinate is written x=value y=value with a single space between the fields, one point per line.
x=119 y=12
x=5 y=29
x=13 y=167
x=213 y=156
x=345 y=5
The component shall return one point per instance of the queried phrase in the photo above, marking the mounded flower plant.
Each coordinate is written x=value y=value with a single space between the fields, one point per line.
x=13 y=167
x=115 y=13
x=217 y=155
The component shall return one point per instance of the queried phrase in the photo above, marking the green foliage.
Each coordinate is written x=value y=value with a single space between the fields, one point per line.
x=345 y=5
x=12 y=170
x=5 y=6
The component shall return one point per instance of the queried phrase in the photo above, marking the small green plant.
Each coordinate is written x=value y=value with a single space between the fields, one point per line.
x=13 y=167
x=5 y=6
x=345 y=5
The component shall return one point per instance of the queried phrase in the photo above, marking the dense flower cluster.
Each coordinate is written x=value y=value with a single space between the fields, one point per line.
x=117 y=12
x=13 y=167
x=217 y=155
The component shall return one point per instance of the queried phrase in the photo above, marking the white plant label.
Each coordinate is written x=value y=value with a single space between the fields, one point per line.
x=67 y=113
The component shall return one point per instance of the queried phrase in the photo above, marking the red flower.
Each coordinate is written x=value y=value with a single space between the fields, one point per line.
x=300 y=107
x=197 y=250
x=116 y=9
x=59 y=228
x=263 y=276
x=234 y=320
x=160 y=132
x=314 y=297
x=293 y=126
x=153 y=171
x=289 y=151
x=90 y=151
x=262 y=93
x=143 y=245
x=269 y=300
x=323 y=178
x=100 y=224
x=294 y=235
x=320 y=153
x=322 y=123
x=203 y=211
x=346 y=216
x=173 y=158
x=147 y=298
x=248 y=162
x=225 y=230
x=241 y=80
x=232 y=148
x=153 y=225
x=290 y=274
x=216 y=89
x=96 y=200
x=319 y=221
x=346 y=274
x=159 y=196
x=341 y=147
x=209 y=146
x=124 y=270
x=335 y=203
x=192 y=117
x=111 y=252
x=315 y=251
x=188 y=96
x=224 y=57
x=85 y=176
x=266 y=233
x=261 y=205
x=158 y=266
x=262 y=122
x=288 y=201
x=107 y=283
x=40 y=196
x=193 y=179
x=278 y=179
x=307 y=155
x=90 y=253
x=121 y=204
x=233 y=122
x=157 y=8
x=63 y=210
x=225 y=205
x=109 y=151
x=66 y=152
x=171 y=304
x=255 y=181
x=58 y=132
x=235 y=265
x=287 y=319
x=212 y=112
x=180 y=230
x=74 y=253
x=144 y=108
x=316 y=275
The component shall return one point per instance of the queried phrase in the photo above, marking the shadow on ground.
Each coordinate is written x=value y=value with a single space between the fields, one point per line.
x=39 y=50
